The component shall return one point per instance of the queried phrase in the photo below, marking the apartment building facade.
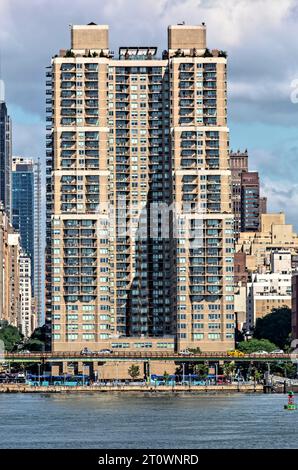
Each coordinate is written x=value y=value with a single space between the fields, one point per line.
x=294 y=306
x=27 y=317
x=23 y=203
x=275 y=235
x=250 y=201
x=9 y=272
x=266 y=292
x=139 y=219
x=238 y=164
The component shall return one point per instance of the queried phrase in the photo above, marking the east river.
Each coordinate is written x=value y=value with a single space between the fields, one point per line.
x=145 y=421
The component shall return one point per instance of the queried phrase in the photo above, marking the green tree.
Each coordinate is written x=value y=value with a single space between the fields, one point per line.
x=195 y=350
x=201 y=370
x=11 y=336
x=284 y=369
x=37 y=340
x=257 y=373
x=276 y=327
x=255 y=345
x=134 y=371
x=229 y=369
x=166 y=376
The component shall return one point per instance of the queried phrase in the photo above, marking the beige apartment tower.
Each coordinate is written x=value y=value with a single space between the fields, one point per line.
x=139 y=222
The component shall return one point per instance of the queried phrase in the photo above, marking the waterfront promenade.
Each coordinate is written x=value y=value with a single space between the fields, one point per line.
x=25 y=388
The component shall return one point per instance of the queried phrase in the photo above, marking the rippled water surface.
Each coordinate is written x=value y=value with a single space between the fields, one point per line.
x=105 y=421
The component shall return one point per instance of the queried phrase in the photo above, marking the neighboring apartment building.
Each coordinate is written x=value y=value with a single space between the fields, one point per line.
x=5 y=153
x=15 y=279
x=295 y=306
x=23 y=203
x=266 y=292
x=250 y=202
x=131 y=134
x=9 y=272
x=26 y=219
x=247 y=203
x=274 y=235
x=270 y=290
x=238 y=164
x=27 y=319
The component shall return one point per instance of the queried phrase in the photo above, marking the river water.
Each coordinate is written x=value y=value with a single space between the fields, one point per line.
x=146 y=421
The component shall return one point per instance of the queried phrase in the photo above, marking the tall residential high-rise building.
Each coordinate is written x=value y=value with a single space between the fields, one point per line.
x=204 y=300
x=25 y=218
x=250 y=202
x=23 y=203
x=139 y=218
x=247 y=203
x=5 y=153
x=239 y=165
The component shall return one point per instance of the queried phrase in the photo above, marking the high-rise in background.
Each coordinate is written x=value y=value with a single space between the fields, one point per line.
x=5 y=152
x=20 y=238
x=26 y=219
x=23 y=203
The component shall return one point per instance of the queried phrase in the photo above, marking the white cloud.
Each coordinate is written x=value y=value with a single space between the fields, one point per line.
x=282 y=197
x=259 y=35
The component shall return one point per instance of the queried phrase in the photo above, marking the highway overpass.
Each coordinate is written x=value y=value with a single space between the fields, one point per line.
x=69 y=357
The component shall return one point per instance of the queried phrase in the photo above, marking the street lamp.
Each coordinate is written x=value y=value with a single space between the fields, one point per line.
x=83 y=375
x=149 y=372
x=39 y=365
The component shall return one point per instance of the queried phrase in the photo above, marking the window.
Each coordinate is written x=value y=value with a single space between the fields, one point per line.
x=71 y=336
x=88 y=337
x=198 y=336
x=213 y=336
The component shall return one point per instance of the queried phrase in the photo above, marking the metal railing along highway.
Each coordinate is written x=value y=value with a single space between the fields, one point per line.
x=143 y=355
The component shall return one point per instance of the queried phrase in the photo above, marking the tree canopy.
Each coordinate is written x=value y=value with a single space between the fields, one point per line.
x=36 y=342
x=11 y=336
x=134 y=371
x=276 y=327
x=255 y=345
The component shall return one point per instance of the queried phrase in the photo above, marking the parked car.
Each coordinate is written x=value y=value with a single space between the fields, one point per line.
x=105 y=351
x=186 y=352
x=278 y=351
x=256 y=353
x=86 y=352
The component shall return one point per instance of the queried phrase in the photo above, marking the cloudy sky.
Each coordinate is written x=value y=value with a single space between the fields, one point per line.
x=259 y=35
